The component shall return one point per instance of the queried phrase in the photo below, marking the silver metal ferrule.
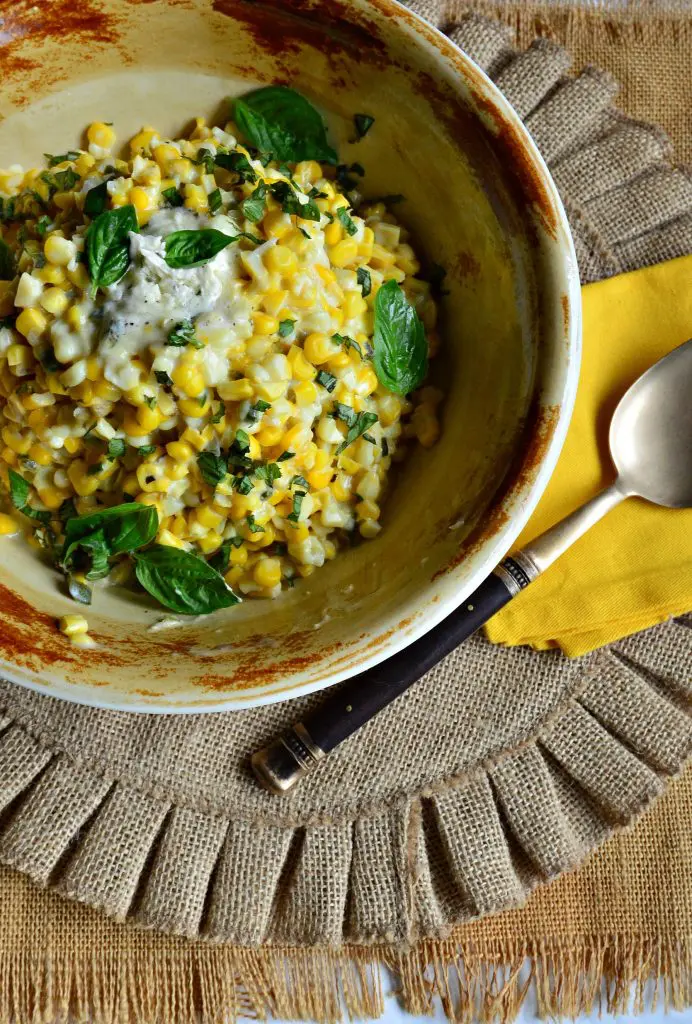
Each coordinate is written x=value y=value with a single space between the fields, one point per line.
x=516 y=572
x=285 y=761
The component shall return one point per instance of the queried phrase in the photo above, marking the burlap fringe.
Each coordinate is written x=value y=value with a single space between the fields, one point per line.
x=218 y=985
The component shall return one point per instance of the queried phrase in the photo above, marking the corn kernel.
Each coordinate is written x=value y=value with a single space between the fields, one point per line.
x=354 y=304
x=60 y=251
x=51 y=497
x=70 y=625
x=54 y=301
x=267 y=572
x=180 y=451
x=100 y=134
x=305 y=393
x=234 y=575
x=282 y=261
x=188 y=378
x=319 y=478
x=14 y=440
x=269 y=436
x=318 y=348
x=333 y=233
x=142 y=140
x=276 y=224
x=31 y=323
x=238 y=555
x=208 y=518
x=52 y=274
x=344 y=253
x=7 y=525
x=40 y=455
x=193 y=438
x=264 y=324
x=169 y=539
x=300 y=367
x=209 y=543
x=84 y=163
x=194 y=407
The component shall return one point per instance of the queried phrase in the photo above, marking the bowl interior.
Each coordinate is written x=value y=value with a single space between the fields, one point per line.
x=475 y=203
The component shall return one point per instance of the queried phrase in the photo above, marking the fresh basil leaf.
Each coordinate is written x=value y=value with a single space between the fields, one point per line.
x=327 y=380
x=261 y=406
x=48 y=361
x=218 y=414
x=215 y=201
x=269 y=472
x=348 y=343
x=78 y=591
x=285 y=456
x=254 y=206
x=299 y=481
x=206 y=159
x=294 y=515
x=195 y=248
x=181 y=581
x=285 y=194
x=108 y=247
x=66 y=180
x=286 y=328
x=361 y=423
x=7 y=266
x=280 y=121
x=61 y=158
x=96 y=546
x=212 y=468
x=163 y=378
x=42 y=225
x=96 y=199
x=349 y=226
x=364 y=280
x=238 y=164
x=345 y=413
x=116 y=448
x=172 y=196
x=183 y=333
x=253 y=527
x=220 y=559
x=146 y=449
x=362 y=123
x=95 y=469
x=125 y=527
x=401 y=349
x=68 y=510
x=241 y=441
x=19 y=489
x=242 y=484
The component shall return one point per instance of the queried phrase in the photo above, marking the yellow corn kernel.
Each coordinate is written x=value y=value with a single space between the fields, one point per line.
x=52 y=274
x=264 y=324
x=14 y=440
x=244 y=504
x=367 y=510
x=131 y=425
x=238 y=556
x=296 y=438
x=180 y=451
x=269 y=436
x=148 y=418
x=107 y=391
x=93 y=369
x=195 y=198
x=83 y=484
x=164 y=153
x=142 y=140
x=177 y=471
x=60 y=251
x=308 y=171
x=72 y=445
x=169 y=539
x=353 y=305
x=341 y=488
x=193 y=438
x=19 y=355
x=344 y=253
x=51 y=497
x=76 y=318
x=54 y=301
x=339 y=360
x=318 y=348
x=7 y=525
x=142 y=203
x=182 y=169
x=101 y=134
x=270 y=390
x=31 y=323
x=193 y=407
x=234 y=575
x=306 y=393
x=38 y=453
x=9 y=457
x=209 y=543
x=382 y=257
x=71 y=625
x=319 y=478
x=305 y=299
x=236 y=390
x=274 y=301
x=188 y=378
x=282 y=261
x=349 y=465
x=367 y=381
x=208 y=518
x=83 y=392
x=276 y=224
x=306 y=570
x=39 y=418
x=84 y=163
x=389 y=409
x=267 y=572
x=333 y=233
x=300 y=367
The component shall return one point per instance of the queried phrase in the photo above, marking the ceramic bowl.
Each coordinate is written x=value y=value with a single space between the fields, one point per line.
x=479 y=201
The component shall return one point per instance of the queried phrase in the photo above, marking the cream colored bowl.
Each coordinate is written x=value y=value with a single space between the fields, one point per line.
x=479 y=200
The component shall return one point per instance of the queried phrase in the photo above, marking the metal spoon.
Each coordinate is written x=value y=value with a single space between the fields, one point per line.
x=651 y=446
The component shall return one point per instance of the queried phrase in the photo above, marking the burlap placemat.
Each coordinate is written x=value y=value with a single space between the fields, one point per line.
x=502 y=770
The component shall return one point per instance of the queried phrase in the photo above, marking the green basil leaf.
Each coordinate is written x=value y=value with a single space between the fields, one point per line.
x=242 y=484
x=145 y=449
x=238 y=163
x=280 y=121
x=286 y=195
x=362 y=123
x=212 y=468
x=215 y=201
x=253 y=527
x=269 y=472
x=125 y=527
x=7 y=266
x=181 y=581
x=294 y=515
x=163 y=378
x=205 y=159
x=361 y=423
x=172 y=196
x=195 y=248
x=347 y=223
x=364 y=280
x=218 y=414
x=108 y=247
x=19 y=489
x=42 y=225
x=286 y=328
x=116 y=448
x=96 y=546
x=327 y=380
x=96 y=199
x=401 y=349
x=61 y=158
x=78 y=591
x=183 y=333
x=285 y=456
x=220 y=559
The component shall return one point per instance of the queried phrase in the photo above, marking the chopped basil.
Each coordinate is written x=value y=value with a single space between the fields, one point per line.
x=195 y=248
x=78 y=591
x=269 y=472
x=96 y=199
x=239 y=164
x=364 y=280
x=108 y=247
x=150 y=400
x=183 y=333
x=220 y=559
x=116 y=448
x=202 y=399
x=299 y=481
x=253 y=527
x=286 y=328
x=241 y=441
x=214 y=200
x=327 y=380
x=146 y=449
x=212 y=468
x=254 y=206
x=19 y=492
x=369 y=438
x=362 y=123
x=181 y=581
x=348 y=343
x=294 y=515
x=172 y=196
x=61 y=181
x=304 y=233
x=242 y=484
x=285 y=194
x=42 y=225
x=205 y=158
x=401 y=349
x=280 y=121
x=347 y=223
x=52 y=160
x=7 y=267
x=48 y=361
x=163 y=378
x=219 y=414
x=345 y=413
x=385 y=447
x=285 y=456
x=261 y=406
x=95 y=469
x=343 y=176
x=360 y=424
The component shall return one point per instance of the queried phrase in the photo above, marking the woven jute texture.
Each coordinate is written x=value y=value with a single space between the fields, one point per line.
x=500 y=771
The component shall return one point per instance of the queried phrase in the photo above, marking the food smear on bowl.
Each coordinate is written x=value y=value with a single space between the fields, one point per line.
x=212 y=351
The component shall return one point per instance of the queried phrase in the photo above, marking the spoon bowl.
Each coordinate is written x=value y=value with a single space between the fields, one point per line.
x=651 y=433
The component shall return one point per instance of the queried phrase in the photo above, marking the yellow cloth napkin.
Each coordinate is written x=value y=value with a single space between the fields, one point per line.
x=634 y=568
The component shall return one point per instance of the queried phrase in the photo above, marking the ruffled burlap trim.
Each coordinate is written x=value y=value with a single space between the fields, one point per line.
x=457 y=847
x=503 y=827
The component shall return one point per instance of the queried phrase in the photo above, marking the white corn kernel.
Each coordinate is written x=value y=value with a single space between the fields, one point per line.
x=28 y=290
